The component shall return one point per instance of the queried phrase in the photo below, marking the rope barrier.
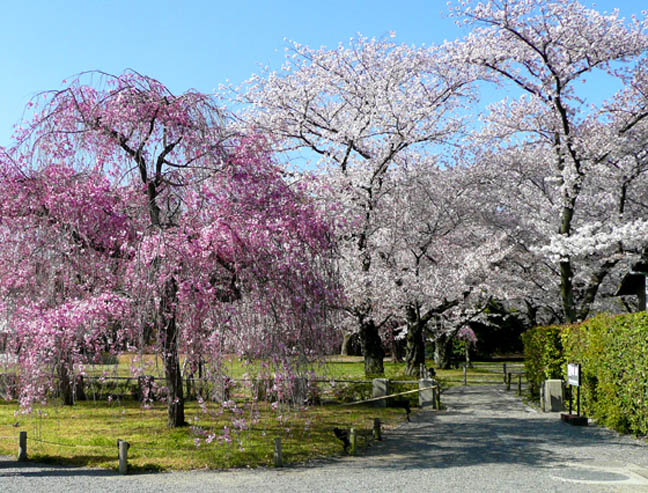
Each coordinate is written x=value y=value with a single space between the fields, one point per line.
x=71 y=445
x=383 y=397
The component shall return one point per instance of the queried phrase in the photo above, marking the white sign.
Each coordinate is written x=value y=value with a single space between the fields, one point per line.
x=573 y=374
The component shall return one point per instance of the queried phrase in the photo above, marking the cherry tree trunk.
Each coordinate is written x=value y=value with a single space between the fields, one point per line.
x=345 y=350
x=79 y=392
x=415 y=355
x=175 y=396
x=567 y=291
x=443 y=352
x=397 y=351
x=372 y=348
x=65 y=385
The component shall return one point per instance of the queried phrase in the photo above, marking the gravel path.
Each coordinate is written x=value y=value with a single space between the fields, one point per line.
x=485 y=441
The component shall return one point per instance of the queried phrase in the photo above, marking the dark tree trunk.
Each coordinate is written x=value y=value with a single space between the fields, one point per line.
x=65 y=385
x=346 y=344
x=351 y=345
x=443 y=352
x=566 y=271
x=175 y=397
x=397 y=351
x=79 y=392
x=372 y=348
x=531 y=313
x=415 y=356
x=567 y=291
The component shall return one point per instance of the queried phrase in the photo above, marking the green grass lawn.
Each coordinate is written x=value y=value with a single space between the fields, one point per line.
x=86 y=433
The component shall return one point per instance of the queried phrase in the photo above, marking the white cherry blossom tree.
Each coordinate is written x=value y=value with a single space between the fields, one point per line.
x=435 y=252
x=570 y=170
x=360 y=108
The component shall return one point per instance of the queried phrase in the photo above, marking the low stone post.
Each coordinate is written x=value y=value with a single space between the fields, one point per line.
x=427 y=397
x=553 y=396
x=377 y=431
x=380 y=388
x=123 y=447
x=278 y=454
x=22 y=446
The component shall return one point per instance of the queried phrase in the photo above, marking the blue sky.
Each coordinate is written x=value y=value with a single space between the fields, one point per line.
x=193 y=44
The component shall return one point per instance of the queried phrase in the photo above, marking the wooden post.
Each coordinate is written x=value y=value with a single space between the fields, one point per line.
x=465 y=371
x=22 y=446
x=504 y=370
x=578 y=400
x=508 y=381
x=354 y=441
x=377 y=432
x=122 y=447
x=438 y=397
x=278 y=455
x=520 y=384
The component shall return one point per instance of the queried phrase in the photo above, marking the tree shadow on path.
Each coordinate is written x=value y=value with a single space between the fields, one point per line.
x=484 y=426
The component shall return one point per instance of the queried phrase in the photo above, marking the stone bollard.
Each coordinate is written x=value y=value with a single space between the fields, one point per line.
x=553 y=396
x=22 y=446
x=278 y=454
x=427 y=397
x=123 y=447
x=380 y=388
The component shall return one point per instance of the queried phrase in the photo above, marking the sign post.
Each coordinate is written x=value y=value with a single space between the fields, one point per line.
x=574 y=379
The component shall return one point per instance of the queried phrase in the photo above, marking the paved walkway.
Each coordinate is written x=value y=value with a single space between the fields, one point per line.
x=486 y=441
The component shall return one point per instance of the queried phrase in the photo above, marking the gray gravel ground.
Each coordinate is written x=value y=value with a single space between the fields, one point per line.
x=485 y=441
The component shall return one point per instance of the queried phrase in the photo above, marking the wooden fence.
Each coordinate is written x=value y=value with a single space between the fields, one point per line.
x=508 y=374
x=152 y=386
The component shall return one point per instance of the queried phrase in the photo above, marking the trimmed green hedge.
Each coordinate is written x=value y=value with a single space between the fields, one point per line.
x=613 y=353
x=543 y=356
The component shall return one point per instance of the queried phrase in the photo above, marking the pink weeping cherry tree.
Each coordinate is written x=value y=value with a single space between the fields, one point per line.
x=135 y=219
